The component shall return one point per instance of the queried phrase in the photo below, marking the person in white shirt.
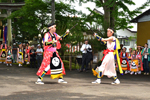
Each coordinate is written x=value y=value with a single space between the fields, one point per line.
x=39 y=52
x=85 y=59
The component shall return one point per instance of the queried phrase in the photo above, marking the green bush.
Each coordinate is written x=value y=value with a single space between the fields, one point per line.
x=66 y=65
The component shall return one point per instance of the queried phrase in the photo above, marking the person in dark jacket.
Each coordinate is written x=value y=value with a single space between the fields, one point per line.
x=86 y=50
x=32 y=57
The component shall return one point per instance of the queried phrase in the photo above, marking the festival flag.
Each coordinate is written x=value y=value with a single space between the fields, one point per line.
x=0 y=32
x=5 y=34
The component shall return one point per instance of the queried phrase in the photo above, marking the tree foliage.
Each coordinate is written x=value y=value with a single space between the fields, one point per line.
x=30 y=20
x=117 y=13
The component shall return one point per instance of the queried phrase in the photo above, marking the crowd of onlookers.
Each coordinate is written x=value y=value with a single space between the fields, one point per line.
x=136 y=60
x=21 y=53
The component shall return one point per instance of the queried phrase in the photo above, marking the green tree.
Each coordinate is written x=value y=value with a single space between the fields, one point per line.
x=116 y=12
x=116 y=15
x=30 y=20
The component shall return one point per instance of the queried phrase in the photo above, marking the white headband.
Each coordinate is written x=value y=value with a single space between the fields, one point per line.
x=51 y=27
x=110 y=30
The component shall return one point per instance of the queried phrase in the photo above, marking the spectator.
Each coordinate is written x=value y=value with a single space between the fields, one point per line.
x=9 y=56
x=20 y=54
x=39 y=52
x=24 y=50
x=124 y=61
x=3 y=52
x=134 y=63
x=129 y=56
x=121 y=48
x=146 y=58
x=32 y=57
x=85 y=60
x=28 y=53
x=14 y=52
x=139 y=59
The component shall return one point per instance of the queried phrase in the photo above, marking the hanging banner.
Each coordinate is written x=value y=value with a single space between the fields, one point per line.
x=5 y=34
x=0 y=32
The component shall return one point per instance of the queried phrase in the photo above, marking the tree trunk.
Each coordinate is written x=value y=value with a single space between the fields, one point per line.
x=53 y=11
x=106 y=17
x=112 y=15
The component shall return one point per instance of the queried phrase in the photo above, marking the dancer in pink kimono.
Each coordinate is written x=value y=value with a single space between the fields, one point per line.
x=108 y=64
x=52 y=63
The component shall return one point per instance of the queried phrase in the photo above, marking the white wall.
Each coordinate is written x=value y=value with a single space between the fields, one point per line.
x=148 y=41
x=126 y=33
x=144 y=18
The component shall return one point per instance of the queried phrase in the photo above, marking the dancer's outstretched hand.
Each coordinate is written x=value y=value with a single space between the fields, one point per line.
x=95 y=34
x=67 y=32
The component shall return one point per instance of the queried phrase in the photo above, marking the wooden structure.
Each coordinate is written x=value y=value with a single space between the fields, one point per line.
x=143 y=27
x=9 y=7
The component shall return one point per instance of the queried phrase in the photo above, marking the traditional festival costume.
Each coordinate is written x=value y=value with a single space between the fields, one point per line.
x=129 y=58
x=27 y=55
x=9 y=57
x=52 y=63
x=108 y=64
x=3 y=53
x=124 y=62
x=134 y=64
x=140 y=67
x=20 y=56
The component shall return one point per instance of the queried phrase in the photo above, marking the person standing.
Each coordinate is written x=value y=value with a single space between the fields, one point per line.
x=20 y=54
x=27 y=56
x=124 y=61
x=32 y=57
x=140 y=67
x=24 y=50
x=85 y=59
x=134 y=64
x=14 y=53
x=3 y=52
x=9 y=56
x=129 y=56
x=52 y=63
x=146 y=58
x=39 y=52
x=107 y=66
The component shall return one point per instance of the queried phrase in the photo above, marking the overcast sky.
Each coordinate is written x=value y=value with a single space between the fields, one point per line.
x=92 y=6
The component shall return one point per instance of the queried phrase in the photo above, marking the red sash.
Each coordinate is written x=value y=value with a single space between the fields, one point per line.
x=105 y=52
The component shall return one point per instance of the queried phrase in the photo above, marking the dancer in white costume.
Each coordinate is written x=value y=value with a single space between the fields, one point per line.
x=108 y=64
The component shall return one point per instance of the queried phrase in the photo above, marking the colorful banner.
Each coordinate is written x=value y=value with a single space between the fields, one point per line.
x=5 y=34
x=0 y=32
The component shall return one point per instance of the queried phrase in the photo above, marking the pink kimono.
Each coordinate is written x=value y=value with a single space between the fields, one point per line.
x=49 y=53
x=108 y=64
